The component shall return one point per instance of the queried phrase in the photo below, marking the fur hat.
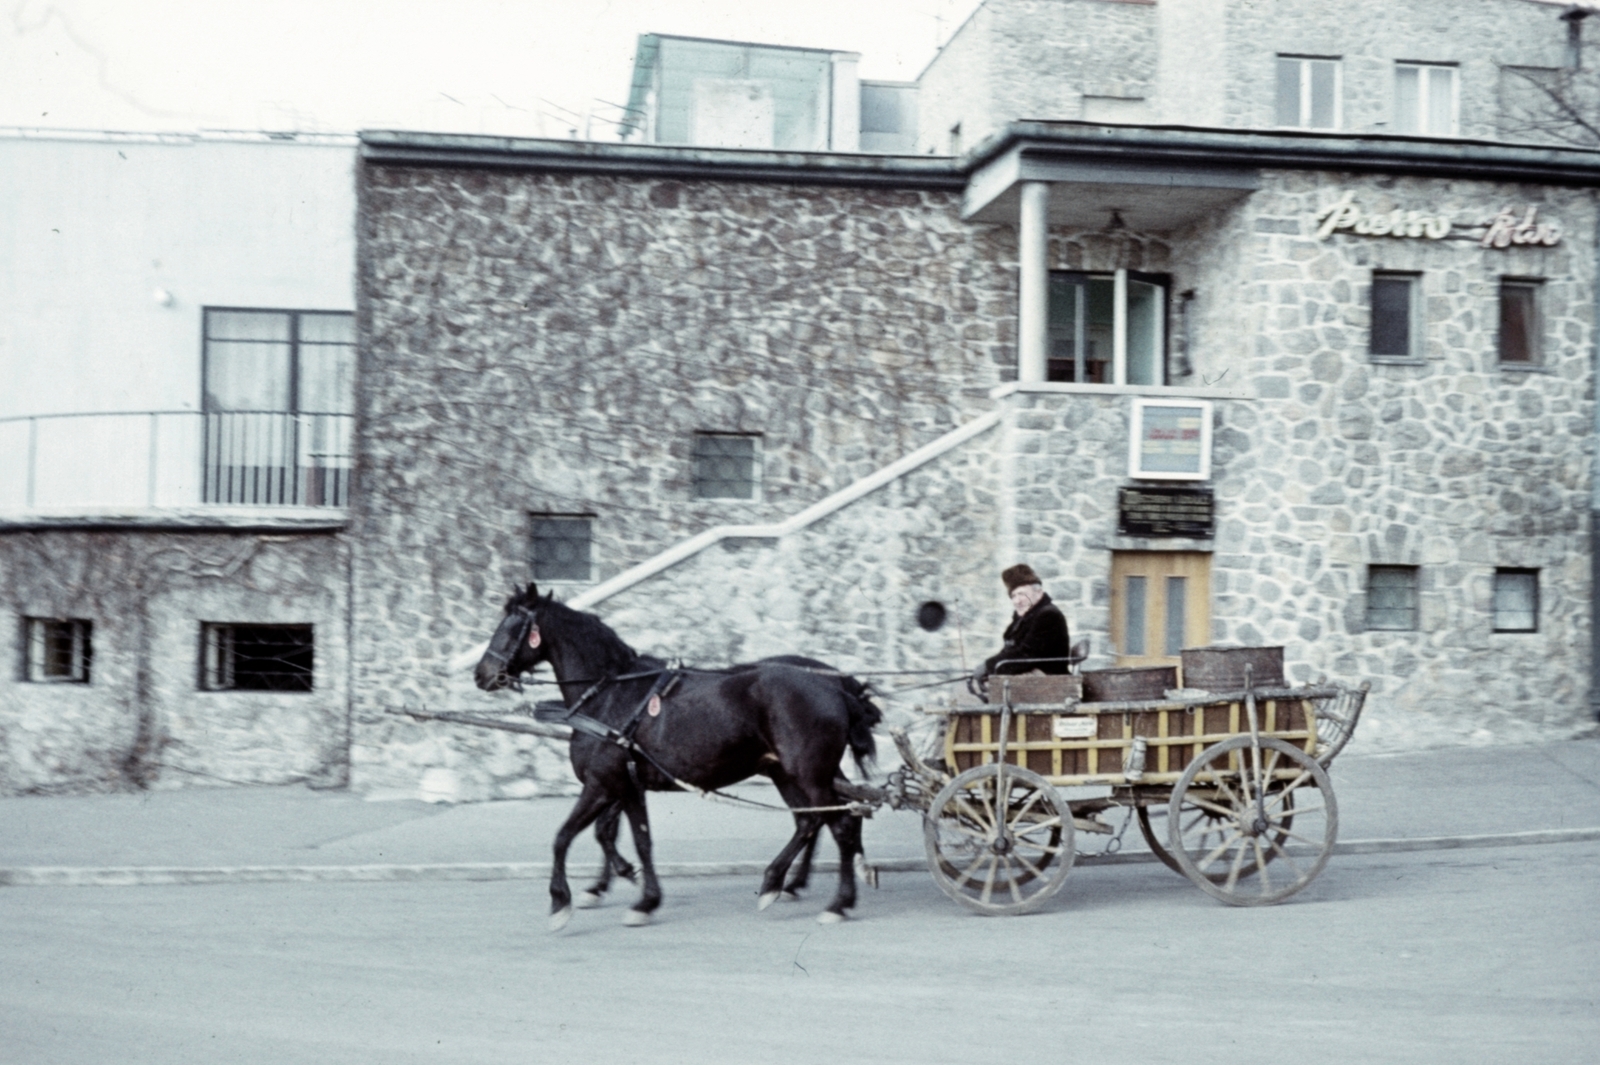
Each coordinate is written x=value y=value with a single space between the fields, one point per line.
x=1019 y=575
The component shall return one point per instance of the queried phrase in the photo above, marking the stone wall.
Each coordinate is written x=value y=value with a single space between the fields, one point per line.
x=541 y=343
x=141 y=721
x=1042 y=59
x=1038 y=59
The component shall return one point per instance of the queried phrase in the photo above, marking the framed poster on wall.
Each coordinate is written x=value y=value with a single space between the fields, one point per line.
x=1170 y=440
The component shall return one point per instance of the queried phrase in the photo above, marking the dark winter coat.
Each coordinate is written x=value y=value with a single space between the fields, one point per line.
x=1040 y=633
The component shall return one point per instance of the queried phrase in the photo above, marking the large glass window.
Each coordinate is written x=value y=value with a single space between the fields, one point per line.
x=1107 y=328
x=279 y=396
x=1308 y=92
x=1425 y=99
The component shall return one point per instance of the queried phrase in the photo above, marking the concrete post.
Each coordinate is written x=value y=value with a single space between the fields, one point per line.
x=1033 y=296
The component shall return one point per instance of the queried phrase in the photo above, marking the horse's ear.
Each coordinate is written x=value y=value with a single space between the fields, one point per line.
x=531 y=596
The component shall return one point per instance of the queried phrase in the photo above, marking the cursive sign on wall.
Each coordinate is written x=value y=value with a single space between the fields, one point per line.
x=1514 y=226
x=1345 y=213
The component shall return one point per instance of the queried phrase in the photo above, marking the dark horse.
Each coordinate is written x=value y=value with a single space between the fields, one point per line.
x=712 y=729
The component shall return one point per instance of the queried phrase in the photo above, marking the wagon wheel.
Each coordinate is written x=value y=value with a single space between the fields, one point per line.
x=999 y=855
x=1153 y=826
x=1278 y=806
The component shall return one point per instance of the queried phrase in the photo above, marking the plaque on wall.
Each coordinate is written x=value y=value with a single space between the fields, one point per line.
x=1166 y=512
x=1170 y=440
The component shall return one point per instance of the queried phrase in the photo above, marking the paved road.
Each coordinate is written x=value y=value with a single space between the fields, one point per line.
x=1442 y=956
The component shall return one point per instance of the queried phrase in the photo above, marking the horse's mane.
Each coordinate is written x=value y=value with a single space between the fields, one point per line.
x=585 y=629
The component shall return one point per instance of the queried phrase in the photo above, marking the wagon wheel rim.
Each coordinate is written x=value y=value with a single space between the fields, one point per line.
x=999 y=855
x=1153 y=827
x=1275 y=818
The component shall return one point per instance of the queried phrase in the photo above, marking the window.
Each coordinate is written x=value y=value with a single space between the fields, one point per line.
x=1308 y=92
x=1108 y=328
x=273 y=658
x=561 y=548
x=1394 y=332
x=1519 y=322
x=1516 y=600
x=1392 y=597
x=279 y=400
x=58 y=650
x=1425 y=99
x=726 y=466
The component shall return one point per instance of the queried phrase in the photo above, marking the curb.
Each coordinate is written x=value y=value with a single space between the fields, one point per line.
x=148 y=876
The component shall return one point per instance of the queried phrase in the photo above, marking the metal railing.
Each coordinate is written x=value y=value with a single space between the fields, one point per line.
x=159 y=459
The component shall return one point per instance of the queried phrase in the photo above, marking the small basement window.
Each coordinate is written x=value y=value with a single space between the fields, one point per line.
x=1392 y=597
x=562 y=548
x=1395 y=319
x=277 y=658
x=726 y=466
x=58 y=651
x=1519 y=322
x=1516 y=600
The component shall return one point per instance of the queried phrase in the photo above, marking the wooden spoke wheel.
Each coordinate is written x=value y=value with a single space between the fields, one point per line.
x=999 y=839
x=1252 y=826
x=1201 y=822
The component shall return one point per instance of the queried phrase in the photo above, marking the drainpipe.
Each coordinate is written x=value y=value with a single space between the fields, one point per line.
x=1594 y=488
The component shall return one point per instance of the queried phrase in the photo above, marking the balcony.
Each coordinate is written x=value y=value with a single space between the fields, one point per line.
x=237 y=469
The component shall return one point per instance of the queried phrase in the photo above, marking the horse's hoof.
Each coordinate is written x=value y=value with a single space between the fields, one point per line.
x=830 y=917
x=636 y=918
x=559 y=919
x=791 y=896
x=767 y=900
x=587 y=901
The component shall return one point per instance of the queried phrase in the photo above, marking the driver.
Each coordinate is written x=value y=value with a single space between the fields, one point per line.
x=1038 y=629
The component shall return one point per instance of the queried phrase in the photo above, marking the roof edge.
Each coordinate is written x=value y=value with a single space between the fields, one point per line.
x=392 y=148
x=1386 y=153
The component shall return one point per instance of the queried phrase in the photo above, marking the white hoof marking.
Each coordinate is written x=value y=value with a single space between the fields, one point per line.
x=635 y=919
x=766 y=900
x=829 y=917
x=587 y=901
x=559 y=919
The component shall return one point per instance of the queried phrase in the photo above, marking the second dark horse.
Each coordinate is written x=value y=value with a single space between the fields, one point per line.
x=713 y=729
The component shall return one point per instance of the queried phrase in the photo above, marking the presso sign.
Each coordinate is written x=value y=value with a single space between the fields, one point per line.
x=1515 y=225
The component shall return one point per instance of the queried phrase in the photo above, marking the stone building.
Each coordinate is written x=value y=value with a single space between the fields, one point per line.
x=1259 y=371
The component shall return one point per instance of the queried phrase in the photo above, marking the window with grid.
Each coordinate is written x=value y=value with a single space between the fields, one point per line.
x=58 y=650
x=726 y=466
x=1516 y=600
x=1392 y=597
x=278 y=658
x=1394 y=331
x=562 y=547
x=1519 y=321
x=1308 y=92
x=1425 y=99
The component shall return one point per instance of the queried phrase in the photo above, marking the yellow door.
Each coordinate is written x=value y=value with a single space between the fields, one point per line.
x=1160 y=604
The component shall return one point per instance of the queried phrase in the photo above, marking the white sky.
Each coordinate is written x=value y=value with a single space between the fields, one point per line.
x=487 y=66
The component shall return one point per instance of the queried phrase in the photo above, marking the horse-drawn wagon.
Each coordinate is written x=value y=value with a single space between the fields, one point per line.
x=1226 y=777
x=1228 y=783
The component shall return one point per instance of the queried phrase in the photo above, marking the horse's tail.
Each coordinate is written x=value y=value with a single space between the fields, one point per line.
x=863 y=716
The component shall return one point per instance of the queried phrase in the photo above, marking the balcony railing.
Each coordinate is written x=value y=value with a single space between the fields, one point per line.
x=152 y=460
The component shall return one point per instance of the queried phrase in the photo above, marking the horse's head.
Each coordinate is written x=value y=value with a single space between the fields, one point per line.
x=516 y=646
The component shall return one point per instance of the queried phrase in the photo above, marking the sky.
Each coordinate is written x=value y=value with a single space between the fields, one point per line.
x=552 y=68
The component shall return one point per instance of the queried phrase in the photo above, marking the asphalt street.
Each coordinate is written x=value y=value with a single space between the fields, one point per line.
x=1483 y=954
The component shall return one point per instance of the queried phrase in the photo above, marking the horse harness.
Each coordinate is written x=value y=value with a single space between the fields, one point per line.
x=666 y=680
